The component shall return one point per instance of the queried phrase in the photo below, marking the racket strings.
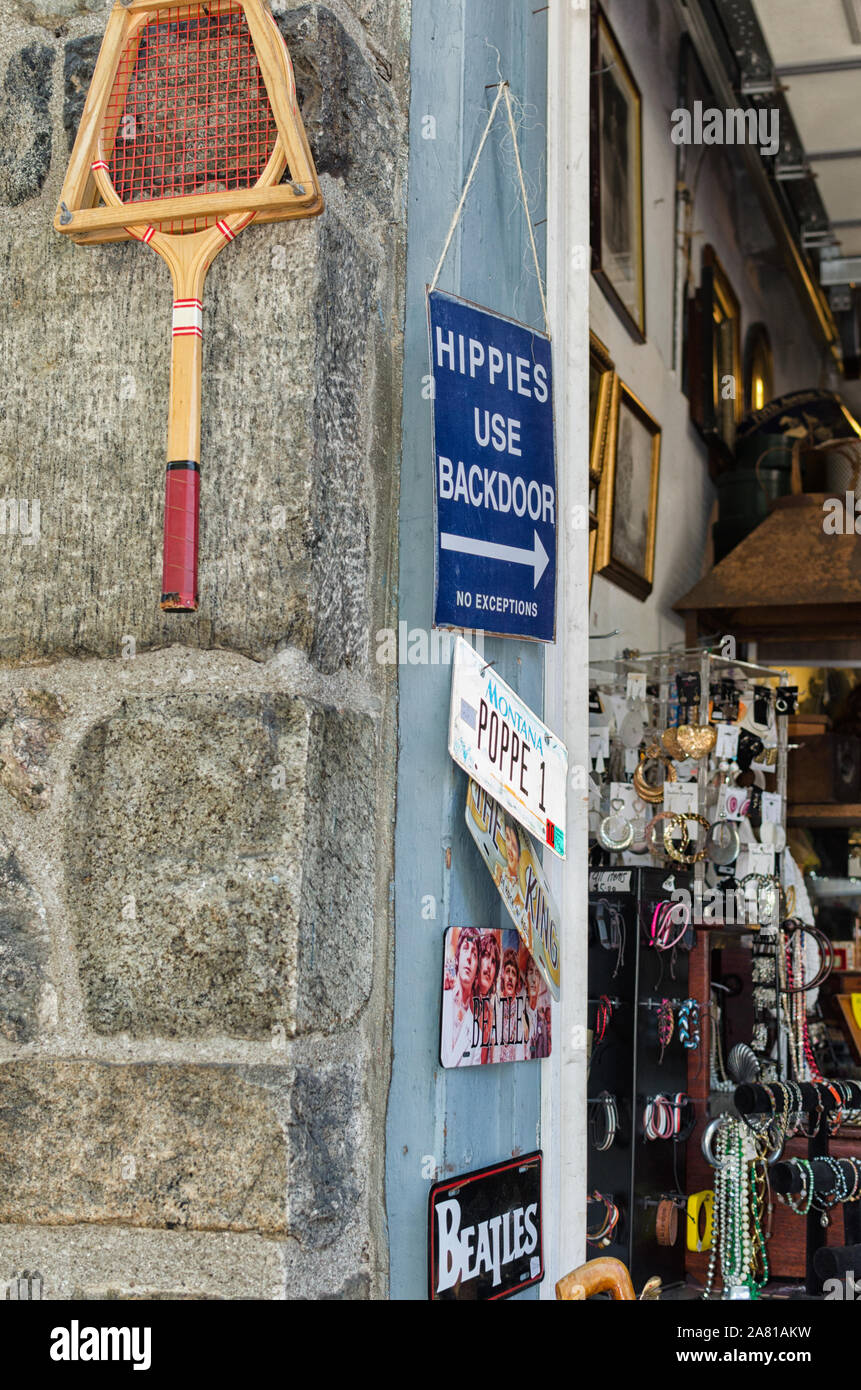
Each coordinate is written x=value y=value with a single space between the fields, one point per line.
x=189 y=112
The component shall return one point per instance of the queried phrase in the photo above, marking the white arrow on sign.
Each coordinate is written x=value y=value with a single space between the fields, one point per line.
x=537 y=557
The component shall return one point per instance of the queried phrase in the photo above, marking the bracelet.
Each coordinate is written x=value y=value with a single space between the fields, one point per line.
x=654 y=841
x=855 y=1194
x=666 y=1023
x=680 y=855
x=707 y=1140
x=663 y=919
x=610 y=925
x=689 y=1024
x=701 y=1204
x=837 y=1195
x=667 y=1222
x=826 y=954
x=604 y=1112
x=604 y=1017
x=603 y=1236
x=805 y=1199
x=669 y=1117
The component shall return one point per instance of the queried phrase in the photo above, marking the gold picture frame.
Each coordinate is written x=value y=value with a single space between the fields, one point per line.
x=603 y=396
x=628 y=496
x=758 y=368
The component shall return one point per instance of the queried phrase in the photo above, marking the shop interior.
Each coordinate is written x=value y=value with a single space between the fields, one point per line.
x=724 y=993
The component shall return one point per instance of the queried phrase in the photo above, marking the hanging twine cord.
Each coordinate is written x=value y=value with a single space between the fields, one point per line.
x=503 y=91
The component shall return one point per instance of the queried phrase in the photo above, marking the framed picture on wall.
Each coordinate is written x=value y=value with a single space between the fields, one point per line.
x=628 y=497
x=603 y=394
x=616 y=179
x=714 y=358
x=758 y=368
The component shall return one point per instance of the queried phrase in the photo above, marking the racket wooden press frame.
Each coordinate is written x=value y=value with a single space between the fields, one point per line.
x=76 y=214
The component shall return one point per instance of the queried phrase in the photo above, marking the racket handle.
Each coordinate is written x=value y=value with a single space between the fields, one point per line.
x=181 y=507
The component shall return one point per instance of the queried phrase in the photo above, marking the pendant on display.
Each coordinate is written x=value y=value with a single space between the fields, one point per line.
x=722 y=842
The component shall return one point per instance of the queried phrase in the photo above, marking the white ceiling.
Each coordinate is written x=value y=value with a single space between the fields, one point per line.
x=840 y=186
x=806 y=31
x=826 y=106
x=826 y=109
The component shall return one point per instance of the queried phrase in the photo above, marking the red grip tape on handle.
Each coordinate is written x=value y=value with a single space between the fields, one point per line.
x=179 y=574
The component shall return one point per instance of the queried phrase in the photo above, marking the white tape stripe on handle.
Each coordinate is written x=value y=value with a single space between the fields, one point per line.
x=187 y=318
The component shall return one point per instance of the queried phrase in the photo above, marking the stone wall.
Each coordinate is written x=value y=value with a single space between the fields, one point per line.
x=196 y=811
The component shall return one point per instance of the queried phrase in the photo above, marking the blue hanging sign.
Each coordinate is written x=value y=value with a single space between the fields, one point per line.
x=494 y=472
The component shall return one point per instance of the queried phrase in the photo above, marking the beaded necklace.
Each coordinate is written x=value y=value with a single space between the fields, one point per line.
x=737 y=1235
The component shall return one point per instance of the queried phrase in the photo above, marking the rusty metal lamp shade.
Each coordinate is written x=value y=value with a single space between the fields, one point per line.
x=788 y=582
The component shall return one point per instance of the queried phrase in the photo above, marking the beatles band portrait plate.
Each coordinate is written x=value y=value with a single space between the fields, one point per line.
x=495 y=1005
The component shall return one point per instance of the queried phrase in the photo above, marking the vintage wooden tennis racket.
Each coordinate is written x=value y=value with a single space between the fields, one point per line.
x=190 y=130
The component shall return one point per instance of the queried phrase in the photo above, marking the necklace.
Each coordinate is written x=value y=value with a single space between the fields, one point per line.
x=757 y=1202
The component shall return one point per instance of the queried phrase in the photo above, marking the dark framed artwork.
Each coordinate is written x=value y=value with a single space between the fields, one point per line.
x=758 y=368
x=603 y=396
x=616 y=179
x=714 y=358
x=628 y=497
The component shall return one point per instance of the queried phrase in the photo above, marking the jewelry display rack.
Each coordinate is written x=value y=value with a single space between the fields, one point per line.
x=637 y=1173
x=752 y=1099
x=660 y=669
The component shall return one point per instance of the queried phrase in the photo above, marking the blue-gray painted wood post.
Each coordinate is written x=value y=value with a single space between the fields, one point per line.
x=439 y=1122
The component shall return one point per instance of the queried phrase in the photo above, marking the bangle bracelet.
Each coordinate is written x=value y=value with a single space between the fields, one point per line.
x=667 y=1222
x=802 y=1205
x=665 y=916
x=604 y=1112
x=653 y=835
x=681 y=856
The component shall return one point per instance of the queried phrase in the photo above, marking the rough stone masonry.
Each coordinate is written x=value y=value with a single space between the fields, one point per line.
x=196 y=809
